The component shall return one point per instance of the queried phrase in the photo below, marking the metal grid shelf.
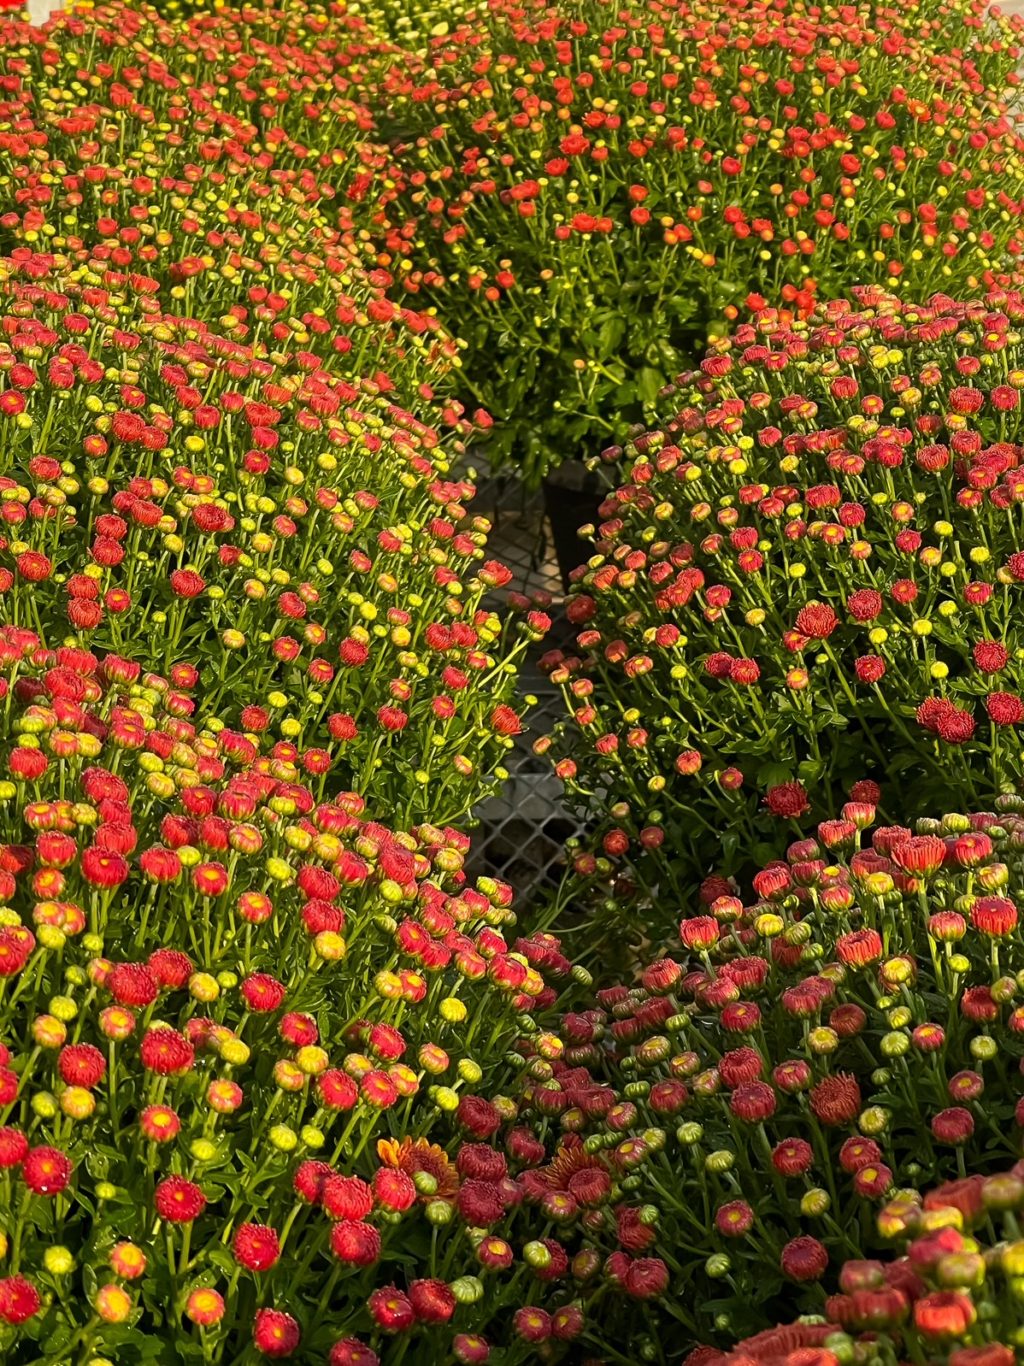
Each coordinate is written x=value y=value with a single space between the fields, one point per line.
x=523 y=829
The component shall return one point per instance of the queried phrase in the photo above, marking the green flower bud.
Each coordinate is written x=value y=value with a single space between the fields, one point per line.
x=467 y=1289
x=815 y=1202
x=58 y=1261
x=44 y=1105
x=873 y=1120
x=895 y=1044
x=960 y=1269
x=720 y=1161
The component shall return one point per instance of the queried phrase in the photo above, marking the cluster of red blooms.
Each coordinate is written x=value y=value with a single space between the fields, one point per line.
x=202 y=157
x=853 y=1030
x=277 y=1078
x=952 y=1298
x=218 y=417
x=810 y=568
x=557 y=162
x=209 y=488
x=124 y=817
x=273 y=1018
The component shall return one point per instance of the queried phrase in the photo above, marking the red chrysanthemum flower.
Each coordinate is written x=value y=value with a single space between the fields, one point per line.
x=836 y=1100
x=787 y=800
x=391 y=1309
x=990 y=656
x=166 y=1052
x=804 y=1259
x=275 y=1333
x=994 y=915
x=178 y=1200
x=19 y=1300
x=133 y=984
x=256 y=1247
x=859 y=948
x=46 y=1171
x=817 y=621
x=81 y=1064
x=955 y=1125
x=1004 y=708
x=346 y=1197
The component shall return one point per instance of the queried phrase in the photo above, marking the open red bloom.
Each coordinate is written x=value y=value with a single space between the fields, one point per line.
x=836 y=1100
x=256 y=1247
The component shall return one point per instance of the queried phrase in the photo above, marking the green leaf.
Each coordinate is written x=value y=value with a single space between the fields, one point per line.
x=613 y=329
x=771 y=775
x=649 y=382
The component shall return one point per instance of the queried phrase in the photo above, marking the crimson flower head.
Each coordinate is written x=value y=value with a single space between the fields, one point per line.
x=817 y=621
x=262 y=993
x=787 y=800
x=836 y=1100
x=133 y=984
x=994 y=915
x=275 y=1333
x=354 y=1242
x=699 y=932
x=753 y=1101
x=81 y=1064
x=921 y=855
x=859 y=948
x=13 y=1147
x=804 y=1259
x=33 y=566
x=394 y=1189
x=1004 y=708
x=170 y=967
x=178 y=1200
x=46 y=1171
x=352 y=1352
x=865 y=604
x=478 y=1116
x=944 y=1314
x=166 y=1052
x=792 y=1157
x=346 y=1197
x=505 y=721
x=954 y=1125
x=734 y=1219
x=432 y=1301
x=391 y=1309
x=19 y=1300
x=186 y=583
x=256 y=1247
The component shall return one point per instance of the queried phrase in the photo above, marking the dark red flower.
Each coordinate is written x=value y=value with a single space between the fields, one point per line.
x=836 y=1100
x=804 y=1259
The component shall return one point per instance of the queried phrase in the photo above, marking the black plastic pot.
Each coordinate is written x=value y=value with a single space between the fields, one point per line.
x=568 y=508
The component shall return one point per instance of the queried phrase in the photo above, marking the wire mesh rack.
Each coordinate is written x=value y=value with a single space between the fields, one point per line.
x=523 y=829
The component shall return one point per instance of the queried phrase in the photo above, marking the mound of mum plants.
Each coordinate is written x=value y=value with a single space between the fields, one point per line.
x=853 y=1031
x=251 y=1050
x=811 y=572
x=953 y=1296
x=596 y=187
x=264 y=512
x=217 y=150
